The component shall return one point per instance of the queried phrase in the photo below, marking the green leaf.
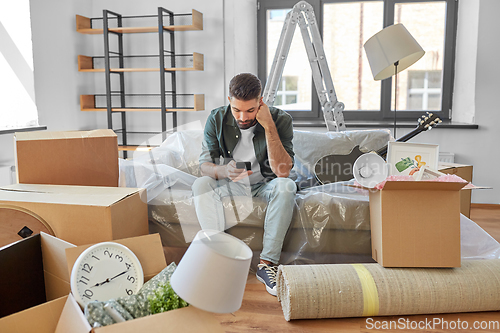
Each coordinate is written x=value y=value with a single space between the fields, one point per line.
x=165 y=299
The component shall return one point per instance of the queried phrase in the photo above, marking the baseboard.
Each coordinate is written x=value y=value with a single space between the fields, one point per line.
x=485 y=206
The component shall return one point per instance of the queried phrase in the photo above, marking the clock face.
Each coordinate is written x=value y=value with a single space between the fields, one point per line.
x=105 y=271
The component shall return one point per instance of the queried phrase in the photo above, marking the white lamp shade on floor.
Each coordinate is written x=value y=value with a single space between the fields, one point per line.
x=392 y=44
x=213 y=272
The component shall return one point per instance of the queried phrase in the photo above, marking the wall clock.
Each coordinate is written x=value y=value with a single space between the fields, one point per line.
x=104 y=271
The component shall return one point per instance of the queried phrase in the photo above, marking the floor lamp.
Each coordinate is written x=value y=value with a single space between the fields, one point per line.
x=391 y=51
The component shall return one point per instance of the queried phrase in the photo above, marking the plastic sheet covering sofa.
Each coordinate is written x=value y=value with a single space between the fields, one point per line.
x=330 y=222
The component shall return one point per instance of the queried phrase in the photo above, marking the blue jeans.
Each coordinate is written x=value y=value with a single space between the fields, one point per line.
x=279 y=194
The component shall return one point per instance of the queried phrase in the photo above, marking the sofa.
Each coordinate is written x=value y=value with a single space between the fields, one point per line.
x=330 y=222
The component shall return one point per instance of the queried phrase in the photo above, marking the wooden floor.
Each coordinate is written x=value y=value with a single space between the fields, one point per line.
x=261 y=312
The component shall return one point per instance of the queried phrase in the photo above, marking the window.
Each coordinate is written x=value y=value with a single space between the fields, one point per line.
x=345 y=26
x=287 y=95
x=277 y=14
x=424 y=90
x=17 y=92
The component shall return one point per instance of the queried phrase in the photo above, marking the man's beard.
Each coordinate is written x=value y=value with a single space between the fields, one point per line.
x=246 y=125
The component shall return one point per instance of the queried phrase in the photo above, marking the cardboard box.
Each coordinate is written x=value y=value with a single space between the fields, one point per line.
x=40 y=319
x=67 y=158
x=465 y=172
x=34 y=271
x=416 y=224
x=83 y=214
x=189 y=320
x=64 y=315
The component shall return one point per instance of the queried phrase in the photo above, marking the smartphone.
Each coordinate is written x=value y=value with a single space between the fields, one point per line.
x=244 y=165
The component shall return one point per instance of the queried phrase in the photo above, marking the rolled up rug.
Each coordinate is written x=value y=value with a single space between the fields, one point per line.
x=365 y=290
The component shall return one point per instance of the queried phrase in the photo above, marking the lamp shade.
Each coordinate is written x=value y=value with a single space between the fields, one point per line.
x=213 y=272
x=392 y=44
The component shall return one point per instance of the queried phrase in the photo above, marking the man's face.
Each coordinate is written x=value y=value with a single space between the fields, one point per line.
x=245 y=112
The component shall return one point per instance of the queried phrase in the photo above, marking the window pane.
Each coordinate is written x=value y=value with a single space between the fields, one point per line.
x=277 y=101
x=297 y=63
x=346 y=28
x=291 y=99
x=415 y=101
x=426 y=22
x=416 y=79
x=435 y=79
x=291 y=83
x=434 y=102
x=424 y=90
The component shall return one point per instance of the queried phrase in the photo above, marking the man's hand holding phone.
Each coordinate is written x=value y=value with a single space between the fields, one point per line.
x=238 y=170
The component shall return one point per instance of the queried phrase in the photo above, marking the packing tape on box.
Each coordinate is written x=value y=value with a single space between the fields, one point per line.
x=370 y=293
x=345 y=290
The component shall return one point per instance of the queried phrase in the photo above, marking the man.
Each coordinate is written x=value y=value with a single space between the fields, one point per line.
x=247 y=130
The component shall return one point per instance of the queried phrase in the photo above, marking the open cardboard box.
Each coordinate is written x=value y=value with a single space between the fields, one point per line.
x=416 y=224
x=65 y=315
x=189 y=319
x=40 y=319
x=464 y=172
x=83 y=214
x=34 y=271
x=88 y=158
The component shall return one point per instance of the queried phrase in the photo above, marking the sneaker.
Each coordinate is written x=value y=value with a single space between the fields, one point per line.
x=267 y=275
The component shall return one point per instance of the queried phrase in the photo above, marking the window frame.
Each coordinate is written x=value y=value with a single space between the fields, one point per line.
x=386 y=91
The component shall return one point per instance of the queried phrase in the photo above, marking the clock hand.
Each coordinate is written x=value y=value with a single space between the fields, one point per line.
x=109 y=279
x=114 y=277
x=100 y=284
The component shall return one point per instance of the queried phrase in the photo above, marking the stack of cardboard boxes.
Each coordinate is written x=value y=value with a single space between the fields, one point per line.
x=68 y=182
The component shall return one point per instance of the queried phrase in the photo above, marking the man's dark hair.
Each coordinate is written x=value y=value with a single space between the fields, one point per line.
x=245 y=87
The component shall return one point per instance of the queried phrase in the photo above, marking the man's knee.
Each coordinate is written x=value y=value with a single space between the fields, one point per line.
x=285 y=187
x=203 y=185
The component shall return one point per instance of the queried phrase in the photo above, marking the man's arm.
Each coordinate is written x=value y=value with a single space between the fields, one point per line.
x=279 y=160
x=224 y=171
x=214 y=171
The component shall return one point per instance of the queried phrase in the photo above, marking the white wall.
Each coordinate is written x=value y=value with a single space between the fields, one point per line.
x=56 y=45
x=57 y=81
x=464 y=107
x=240 y=21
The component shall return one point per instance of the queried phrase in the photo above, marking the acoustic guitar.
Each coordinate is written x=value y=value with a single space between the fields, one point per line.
x=336 y=168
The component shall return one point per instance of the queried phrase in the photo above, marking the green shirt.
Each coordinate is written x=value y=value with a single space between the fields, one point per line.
x=222 y=134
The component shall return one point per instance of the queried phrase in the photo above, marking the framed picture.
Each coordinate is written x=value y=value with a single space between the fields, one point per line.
x=406 y=158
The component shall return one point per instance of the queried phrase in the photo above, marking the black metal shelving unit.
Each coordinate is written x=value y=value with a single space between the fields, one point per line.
x=86 y=64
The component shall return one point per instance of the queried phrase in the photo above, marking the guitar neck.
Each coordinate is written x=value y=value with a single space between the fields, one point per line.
x=383 y=151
